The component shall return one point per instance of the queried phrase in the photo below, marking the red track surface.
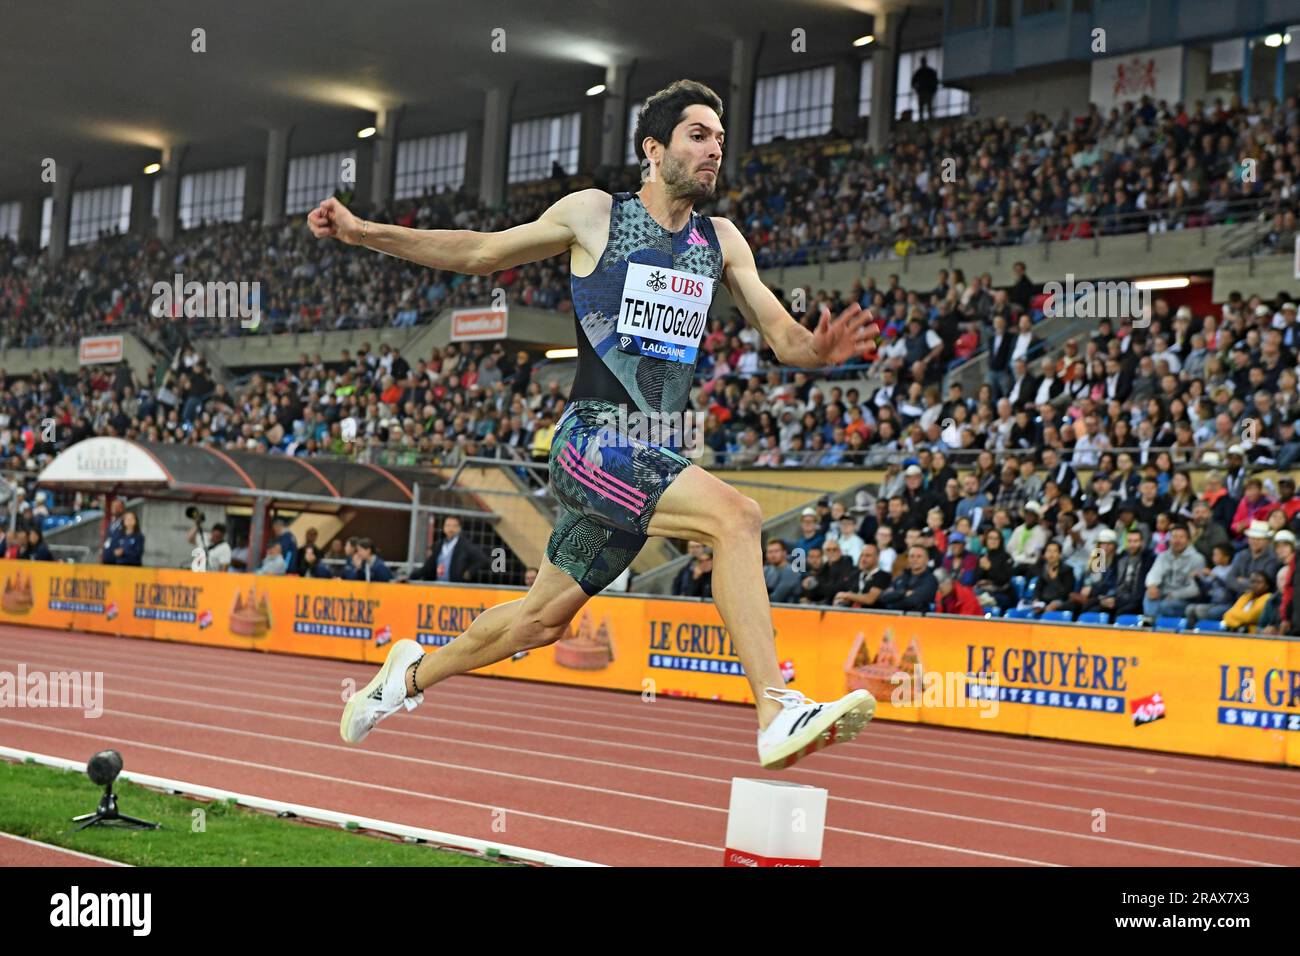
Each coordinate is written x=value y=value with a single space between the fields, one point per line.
x=606 y=777
x=17 y=851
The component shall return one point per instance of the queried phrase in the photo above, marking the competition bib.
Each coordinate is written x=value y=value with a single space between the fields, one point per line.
x=663 y=313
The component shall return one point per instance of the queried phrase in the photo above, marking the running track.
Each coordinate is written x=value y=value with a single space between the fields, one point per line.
x=609 y=778
x=20 y=851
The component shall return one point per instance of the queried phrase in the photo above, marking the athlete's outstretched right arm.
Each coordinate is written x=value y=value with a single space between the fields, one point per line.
x=457 y=250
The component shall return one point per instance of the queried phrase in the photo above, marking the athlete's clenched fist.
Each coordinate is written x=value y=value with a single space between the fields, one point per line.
x=331 y=219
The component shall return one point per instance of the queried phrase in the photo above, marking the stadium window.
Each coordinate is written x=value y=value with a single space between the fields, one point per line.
x=947 y=101
x=47 y=220
x=1032 y=8
x=430 y=164
x=631 y=158
x=794 y=105
x=313 y=179
x=216 y=195
x=10 y=213
x=98 y=210
x=536 y=144
x=864 y=89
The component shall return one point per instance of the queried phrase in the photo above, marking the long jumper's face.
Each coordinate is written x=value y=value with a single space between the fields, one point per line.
x=691 y=163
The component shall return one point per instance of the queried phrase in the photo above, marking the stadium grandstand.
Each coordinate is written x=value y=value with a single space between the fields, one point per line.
x=947 y=228
x=1073 y=224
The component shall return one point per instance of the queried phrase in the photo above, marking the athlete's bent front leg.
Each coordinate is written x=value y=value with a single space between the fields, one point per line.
x=700 y=507
x=538 y=618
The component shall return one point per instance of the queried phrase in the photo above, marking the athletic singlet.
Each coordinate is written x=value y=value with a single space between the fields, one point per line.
x=644 y=310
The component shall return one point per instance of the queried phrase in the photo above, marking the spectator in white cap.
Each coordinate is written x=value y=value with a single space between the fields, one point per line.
x=1283 y=550
x=918 y=500
x=1097 y=579
x=1027 y=540
x=850 y=543
x=1256 y=556
x=1235 y=480
x=810 y=533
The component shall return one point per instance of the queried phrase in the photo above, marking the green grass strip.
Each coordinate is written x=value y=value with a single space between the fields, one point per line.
x=39 y=802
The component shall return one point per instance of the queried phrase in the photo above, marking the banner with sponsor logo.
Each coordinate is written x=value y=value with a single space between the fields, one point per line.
x=1130 y=76
x=470 y=325
x=1235 y=697
x=100 y=349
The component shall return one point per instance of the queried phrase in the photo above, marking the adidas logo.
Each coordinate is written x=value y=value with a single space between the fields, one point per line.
x=804 y=719
x=695 y=239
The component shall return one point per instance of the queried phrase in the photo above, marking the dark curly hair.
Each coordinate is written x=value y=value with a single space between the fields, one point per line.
x=661 y=113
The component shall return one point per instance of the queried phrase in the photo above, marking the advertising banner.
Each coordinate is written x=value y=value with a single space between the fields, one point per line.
x=1220 y=696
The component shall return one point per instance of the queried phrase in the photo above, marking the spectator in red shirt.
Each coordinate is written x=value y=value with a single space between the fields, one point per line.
x=966 y=343
x=955 y=598
x=1254 y=506
x=1287 y=502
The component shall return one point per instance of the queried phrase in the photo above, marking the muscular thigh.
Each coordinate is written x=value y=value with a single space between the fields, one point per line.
x=692 y=505
x=554 y=598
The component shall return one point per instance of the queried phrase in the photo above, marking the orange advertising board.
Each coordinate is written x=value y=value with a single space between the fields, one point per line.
x=1222 y=696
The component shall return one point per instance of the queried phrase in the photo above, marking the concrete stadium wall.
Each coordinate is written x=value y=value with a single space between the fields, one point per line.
x=1046 y=90
x=67 y=357
x=245 y=351
x=1261 y=275
x=1114 y=257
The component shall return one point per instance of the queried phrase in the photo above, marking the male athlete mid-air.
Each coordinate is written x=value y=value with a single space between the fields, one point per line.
x=643 y=266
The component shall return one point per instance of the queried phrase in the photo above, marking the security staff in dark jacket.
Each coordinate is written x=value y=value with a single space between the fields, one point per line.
x=915 y=588
x=456 y=559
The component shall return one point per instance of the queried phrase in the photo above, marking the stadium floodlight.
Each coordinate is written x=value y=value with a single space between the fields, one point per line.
x=561 y=353
x=366 y=133
x=596 y=90
x=865 y=40
x=152 y=168
x=1273 y=40
x=1169 y=282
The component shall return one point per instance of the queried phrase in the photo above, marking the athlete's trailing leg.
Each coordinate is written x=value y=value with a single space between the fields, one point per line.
x=539 y=618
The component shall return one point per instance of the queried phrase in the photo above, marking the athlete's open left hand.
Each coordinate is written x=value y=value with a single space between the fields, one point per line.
x=850 y=334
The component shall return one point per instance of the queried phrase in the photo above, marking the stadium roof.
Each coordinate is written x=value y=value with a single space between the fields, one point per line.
x=201 y=473
x=110 y=86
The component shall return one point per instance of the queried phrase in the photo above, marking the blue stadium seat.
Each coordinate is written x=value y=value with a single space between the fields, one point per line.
x=1171 y=624
x=993 y=611
x=1209 y=627
x=1093 y=617
x=1020 y=612
x=1129 y=620
x=1056 y=616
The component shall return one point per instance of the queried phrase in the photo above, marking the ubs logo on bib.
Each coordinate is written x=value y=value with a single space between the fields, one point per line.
x=661 y=308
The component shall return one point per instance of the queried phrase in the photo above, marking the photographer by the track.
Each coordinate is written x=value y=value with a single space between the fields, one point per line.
x=217 y=555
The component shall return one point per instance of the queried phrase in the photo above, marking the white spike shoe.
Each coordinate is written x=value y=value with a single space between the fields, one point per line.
x=804 y=726
x=384 y=696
